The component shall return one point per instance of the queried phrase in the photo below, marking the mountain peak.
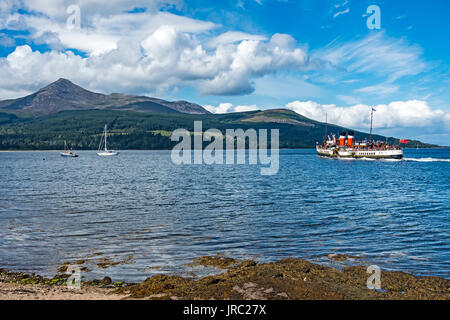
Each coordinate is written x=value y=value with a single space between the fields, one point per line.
x=61 y=83
x=63 y=94
x=63 y=80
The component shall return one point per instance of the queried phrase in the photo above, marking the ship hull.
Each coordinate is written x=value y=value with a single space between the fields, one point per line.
x=69 y=155
x=108 y=153
x=360 y=154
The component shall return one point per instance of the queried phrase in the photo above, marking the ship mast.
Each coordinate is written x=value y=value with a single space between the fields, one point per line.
x=326 y=126
x=371 y=123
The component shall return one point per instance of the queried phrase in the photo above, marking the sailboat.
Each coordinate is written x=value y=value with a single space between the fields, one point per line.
x=68 y=152
x=103 y=144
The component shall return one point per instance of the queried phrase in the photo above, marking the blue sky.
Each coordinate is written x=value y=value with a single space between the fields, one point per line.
x=312 y=56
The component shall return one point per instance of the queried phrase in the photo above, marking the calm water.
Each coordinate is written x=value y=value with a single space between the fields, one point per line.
x=139 y=205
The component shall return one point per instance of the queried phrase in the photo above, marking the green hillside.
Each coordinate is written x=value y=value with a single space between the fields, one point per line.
x=149 y=130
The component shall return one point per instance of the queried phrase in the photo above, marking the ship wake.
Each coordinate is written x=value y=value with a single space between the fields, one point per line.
x=392 y=160
x=426 y=159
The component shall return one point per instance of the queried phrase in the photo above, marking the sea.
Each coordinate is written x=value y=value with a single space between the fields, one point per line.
x=141 y=215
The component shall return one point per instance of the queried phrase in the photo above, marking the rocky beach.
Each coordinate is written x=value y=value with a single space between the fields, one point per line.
x=286 y=279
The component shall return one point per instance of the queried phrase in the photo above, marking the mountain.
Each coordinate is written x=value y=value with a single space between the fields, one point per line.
x=65 y=111
x=63 y=95
x=280 y=116
x=151 y=130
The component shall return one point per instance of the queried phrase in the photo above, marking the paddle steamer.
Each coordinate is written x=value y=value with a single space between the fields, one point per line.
x=346 y=147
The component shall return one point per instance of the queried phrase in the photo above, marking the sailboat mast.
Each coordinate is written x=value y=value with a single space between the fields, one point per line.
x=106 y=149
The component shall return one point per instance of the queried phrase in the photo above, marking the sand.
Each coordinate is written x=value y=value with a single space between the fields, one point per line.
x=14 y=291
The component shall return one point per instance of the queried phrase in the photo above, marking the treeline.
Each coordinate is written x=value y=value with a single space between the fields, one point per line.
x=136 y=130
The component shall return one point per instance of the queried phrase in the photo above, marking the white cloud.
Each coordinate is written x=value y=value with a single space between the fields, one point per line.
x=57 y=8
x=234 y=36
x=12 y=94
x=101 y=34
x=246 y=108
x=251 y=59
x=447 y=121
x=341 y=4
x=143 y=52
x=156 y=51
x=412 y=113
x=166 y=59
x=24 y=68
x=7 y=41
x=228 y=107
x=379 y=89
x=337 y=14
x=376 y=54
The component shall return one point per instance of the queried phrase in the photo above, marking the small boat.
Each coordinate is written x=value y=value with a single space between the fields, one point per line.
x=103 y=146
x=68 y=152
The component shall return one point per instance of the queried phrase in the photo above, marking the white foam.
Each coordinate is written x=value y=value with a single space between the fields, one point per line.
x=426 y=159
x=368 y=159
x=392 y=160
x=418 y=258
x=396 y=254
x=350 y=159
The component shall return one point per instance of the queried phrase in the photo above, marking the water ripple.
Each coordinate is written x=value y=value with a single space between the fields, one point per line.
x=394 y=214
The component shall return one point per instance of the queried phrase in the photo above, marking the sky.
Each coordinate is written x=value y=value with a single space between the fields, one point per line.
x=316 y=57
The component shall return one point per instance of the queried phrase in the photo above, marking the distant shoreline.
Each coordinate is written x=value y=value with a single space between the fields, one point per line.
x=433 y=148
